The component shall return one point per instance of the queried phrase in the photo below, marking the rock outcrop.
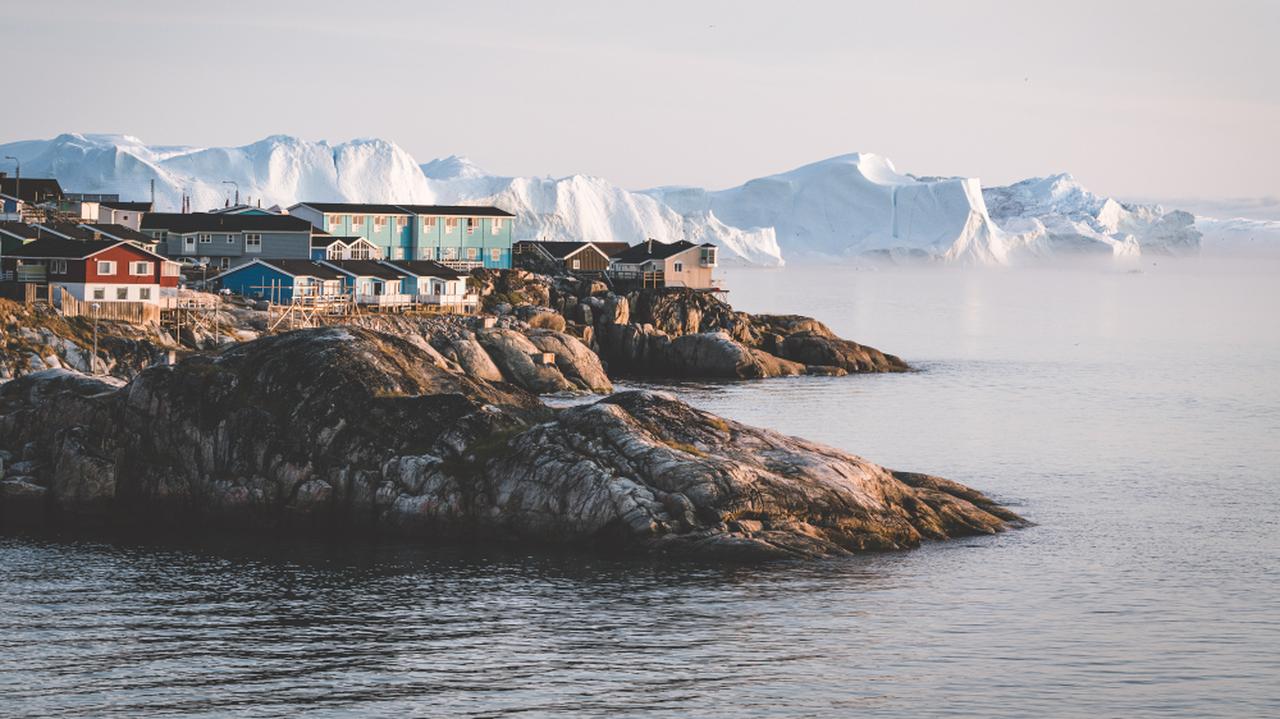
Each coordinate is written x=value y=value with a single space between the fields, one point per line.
x=350 y=429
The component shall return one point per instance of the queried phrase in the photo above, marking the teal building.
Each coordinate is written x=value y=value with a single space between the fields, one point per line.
x=460 y=236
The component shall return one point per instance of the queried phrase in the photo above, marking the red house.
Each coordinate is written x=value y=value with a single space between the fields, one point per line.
x=94 y=270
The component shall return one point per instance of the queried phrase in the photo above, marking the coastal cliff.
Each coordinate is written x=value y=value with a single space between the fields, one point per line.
x=349 y=429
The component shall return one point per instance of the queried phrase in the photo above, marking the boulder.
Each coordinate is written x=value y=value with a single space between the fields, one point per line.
x=575 y=360
x=513 y=354
x=474 y=361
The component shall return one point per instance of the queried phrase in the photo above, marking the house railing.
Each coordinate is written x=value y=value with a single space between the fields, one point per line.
x=384 y=300
x=135 y=312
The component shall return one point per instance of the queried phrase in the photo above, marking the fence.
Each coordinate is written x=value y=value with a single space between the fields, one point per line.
x=135 y=312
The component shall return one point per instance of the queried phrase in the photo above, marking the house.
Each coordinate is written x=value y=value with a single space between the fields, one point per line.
x=328 y=247
x=226 y=240
x=20 y=197
x=431 y=283
x=565 y=256
x=129 y=214
x=95 y=231
x=371 y=282
x=15 y=234
x=94 y=270
x=456 y=235
x=284 y=281
x=660 y=264
x=242 y=209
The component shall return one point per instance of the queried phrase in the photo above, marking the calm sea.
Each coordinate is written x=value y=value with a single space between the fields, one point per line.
x=1134 y=416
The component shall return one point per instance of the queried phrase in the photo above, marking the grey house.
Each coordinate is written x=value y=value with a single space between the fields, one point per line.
x=227 y=240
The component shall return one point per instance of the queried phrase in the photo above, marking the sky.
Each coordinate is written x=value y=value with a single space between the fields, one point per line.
x=1137 y=99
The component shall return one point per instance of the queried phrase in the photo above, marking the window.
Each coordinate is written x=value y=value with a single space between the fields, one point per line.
x=99 y=293
x=160 y=236
x=496 y=255
x=357 y=219
x=144 y=293
x=450 y=224
x=334 y=252
x=140 y=269
x=57 y=267
x=678 y=267
x=124 y=217
x=401 y=221
x=224 y=263
x=231 y=239
x=471 y=226
x=497 y=224
x=472 y=253
x=171 y=269
x=429 y=224
x=106 y=267
x=577 y=264
x=122 y=293
x=206 y=239
x=397 y=253
x=379 y=221
x=451 y=253
x=335 y=220
x=252 y=242
x=427 y=253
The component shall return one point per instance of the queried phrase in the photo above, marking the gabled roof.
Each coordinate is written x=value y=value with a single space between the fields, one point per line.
x=212 y=222
x=425 y=268
x=127 y=206
x=359 y=208
x=560 y=250
x=293 y=268
x=20 y=230
x=50 y=247
x=318 y=240
x=375 y=209
x=366 y=268
x=457 y=210
x=32 y=189
x=69 y=230
x=612 y=249
x=119 y=232
x=653 y=250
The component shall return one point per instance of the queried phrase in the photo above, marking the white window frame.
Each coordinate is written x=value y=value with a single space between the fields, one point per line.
x=57 y=267
x=206 y=239
x=357 y=220
x=497 y=224
x=677 y=267
x=252 y=242
x=429 y=224
x=473 y=254
x=109 y=264
x=401 y=221
x=140 y=268
x=122 y=294
x=335 y=220
x=577 y=264
x=231 y=239
x=379 y=221
x=171 y=269
x=144 y=293
x=450 y=253
x=450 y=224
x=99 y=293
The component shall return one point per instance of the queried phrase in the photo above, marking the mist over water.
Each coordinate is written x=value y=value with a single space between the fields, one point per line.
x=1135 y=417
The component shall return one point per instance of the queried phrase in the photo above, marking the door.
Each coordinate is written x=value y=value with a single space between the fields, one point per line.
x=189 y=243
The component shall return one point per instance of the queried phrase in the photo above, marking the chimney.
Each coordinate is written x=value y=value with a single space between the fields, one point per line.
x=649 y=246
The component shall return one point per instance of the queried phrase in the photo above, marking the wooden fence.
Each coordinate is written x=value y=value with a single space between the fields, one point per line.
x=136 y=312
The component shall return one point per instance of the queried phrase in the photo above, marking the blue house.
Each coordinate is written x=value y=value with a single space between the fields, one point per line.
x=460 y=236
x=282 y=281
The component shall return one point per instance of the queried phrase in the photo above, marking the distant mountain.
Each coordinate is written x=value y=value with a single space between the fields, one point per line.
x=841 y=209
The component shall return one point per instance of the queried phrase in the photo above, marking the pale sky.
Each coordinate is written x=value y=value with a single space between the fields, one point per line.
x=1150 y=99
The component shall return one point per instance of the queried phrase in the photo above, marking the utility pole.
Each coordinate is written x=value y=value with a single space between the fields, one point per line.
x=17 y=183
x=93 y=361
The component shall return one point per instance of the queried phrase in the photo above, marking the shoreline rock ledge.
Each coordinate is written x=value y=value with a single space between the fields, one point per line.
x=351 y=430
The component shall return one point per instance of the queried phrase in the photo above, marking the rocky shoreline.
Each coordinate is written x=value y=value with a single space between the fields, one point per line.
x=347 y=428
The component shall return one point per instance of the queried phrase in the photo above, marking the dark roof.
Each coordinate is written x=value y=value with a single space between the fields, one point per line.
x=62 y=248
x=132 y=206
x=19 y=229
x=367 y=268
x=298 y=268
x=120 y=232
x=358 y=208
x=65 y=229
x=326 y=240
x=459 y=210
x=361 y=208
x=558 y=250
x=33 y=189
x=652 y=250
x=426 y=268
x=212 y=222
x=612 y=249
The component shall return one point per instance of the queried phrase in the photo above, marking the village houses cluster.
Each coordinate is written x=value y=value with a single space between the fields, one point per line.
x=98 y=248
